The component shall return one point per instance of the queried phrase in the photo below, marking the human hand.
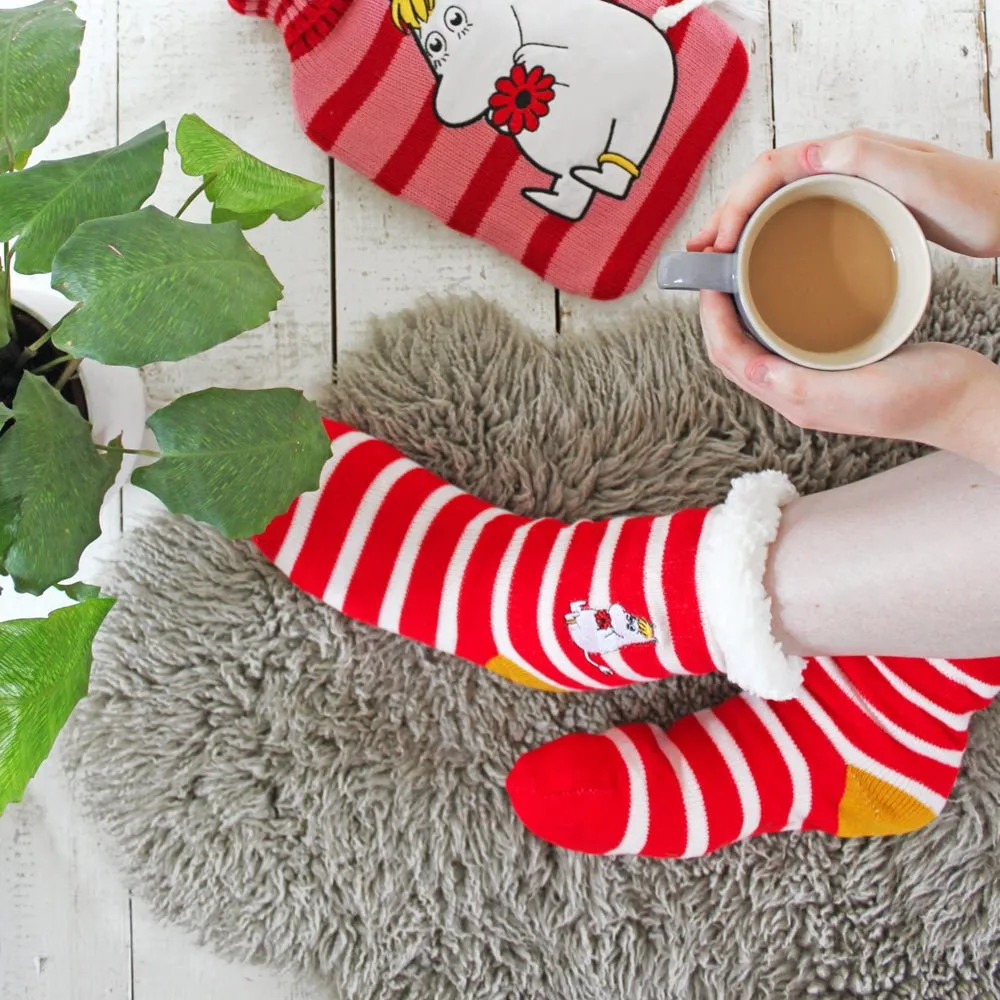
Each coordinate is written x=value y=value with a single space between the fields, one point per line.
x=956 y=199
x=941 y=395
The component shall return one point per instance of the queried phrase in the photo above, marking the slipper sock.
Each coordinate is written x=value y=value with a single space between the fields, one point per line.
x=564 y=607
x=869 y=747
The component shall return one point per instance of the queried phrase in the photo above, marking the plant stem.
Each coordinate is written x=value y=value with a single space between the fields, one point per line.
x=188 y=203
x=117 y=450
x=8 y=315
x=55 y=363
x=68 y=372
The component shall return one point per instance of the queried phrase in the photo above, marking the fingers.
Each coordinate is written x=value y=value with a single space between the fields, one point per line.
x=901 y=169
x=896 y=163
x=810 y=399
x=705 y=237
x=770 y=171
x=740 y=358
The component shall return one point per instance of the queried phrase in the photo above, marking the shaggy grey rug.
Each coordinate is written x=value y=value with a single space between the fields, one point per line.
x=320 y=797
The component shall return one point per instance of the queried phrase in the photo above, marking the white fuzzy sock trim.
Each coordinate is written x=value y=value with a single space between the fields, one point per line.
x=735 y=607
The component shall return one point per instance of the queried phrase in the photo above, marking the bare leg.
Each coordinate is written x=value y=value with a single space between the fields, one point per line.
x=906 y=563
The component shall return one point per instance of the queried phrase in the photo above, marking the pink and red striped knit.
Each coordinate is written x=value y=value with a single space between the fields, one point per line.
x=856 y=746
x=575 y=152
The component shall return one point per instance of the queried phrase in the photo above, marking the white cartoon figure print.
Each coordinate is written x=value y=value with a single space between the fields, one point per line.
x=599 y=631
x=582 y=86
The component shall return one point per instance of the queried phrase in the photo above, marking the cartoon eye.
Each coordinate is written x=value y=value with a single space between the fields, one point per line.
x=435 y=45
x=455 y=18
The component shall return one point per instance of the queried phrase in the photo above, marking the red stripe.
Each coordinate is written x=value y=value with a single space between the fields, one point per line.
x=674 y=177
x=482 y=190
x=310 y=26
x=574 y=585
x=341 y=106
x=827 y=770
x=367 y=589
x=687 y=630
x=281 y=10
x=869 y=737
x=544 y=242
x=985 y=670
x=422 y=605
x=335 y=511
x=675 y=35
x=718 y=787
x=922 y=677
x=627 y=588
x=270 y=539
x=475 y=632
x=765 y=761
x=667 y=836
x=525 y=590
x=883 y=697
x=410 y=153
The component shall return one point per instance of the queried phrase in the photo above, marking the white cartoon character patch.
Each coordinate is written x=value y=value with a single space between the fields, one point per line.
x=582 y=86
x=599 y=631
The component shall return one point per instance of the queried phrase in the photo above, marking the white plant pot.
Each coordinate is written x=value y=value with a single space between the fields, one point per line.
x=116 y=401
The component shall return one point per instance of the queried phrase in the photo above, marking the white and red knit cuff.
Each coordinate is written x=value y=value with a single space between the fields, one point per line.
x=735 y=607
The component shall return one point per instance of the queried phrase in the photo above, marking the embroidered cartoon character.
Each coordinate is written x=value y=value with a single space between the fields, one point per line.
x=582 y=86
x=599 y=631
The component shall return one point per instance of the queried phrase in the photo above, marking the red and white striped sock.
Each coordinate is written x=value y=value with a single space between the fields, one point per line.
x=870 y=746
x=585 y=606
x=578 y=171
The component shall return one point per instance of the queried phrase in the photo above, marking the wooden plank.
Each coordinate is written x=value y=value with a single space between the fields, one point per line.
x=200 y=57
x=989 y=39
x=748 y=132
x=915 y=70
x=64 y=929
x=193 y=56
x=390 y=254
x=64 y=920
x=170 y=964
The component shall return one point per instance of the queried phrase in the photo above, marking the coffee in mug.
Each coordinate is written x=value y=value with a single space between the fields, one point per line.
x=831 y=272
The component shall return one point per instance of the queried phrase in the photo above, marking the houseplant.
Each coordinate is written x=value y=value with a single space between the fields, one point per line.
x=140 y=285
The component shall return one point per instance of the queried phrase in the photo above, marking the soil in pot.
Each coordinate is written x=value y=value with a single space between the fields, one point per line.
x=27 y=330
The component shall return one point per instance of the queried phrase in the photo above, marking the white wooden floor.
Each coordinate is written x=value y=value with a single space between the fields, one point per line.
x=68 y=928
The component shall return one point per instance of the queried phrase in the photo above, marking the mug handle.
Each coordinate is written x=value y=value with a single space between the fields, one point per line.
x=715 y=272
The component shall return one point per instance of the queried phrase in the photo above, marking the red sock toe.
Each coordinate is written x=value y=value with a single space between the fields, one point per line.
x=573 y=792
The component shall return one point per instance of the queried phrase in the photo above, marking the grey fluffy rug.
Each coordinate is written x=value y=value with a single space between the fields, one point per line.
x=314 y=795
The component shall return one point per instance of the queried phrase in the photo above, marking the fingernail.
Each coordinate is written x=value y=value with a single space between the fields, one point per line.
x=760 y=373
x=814 y=156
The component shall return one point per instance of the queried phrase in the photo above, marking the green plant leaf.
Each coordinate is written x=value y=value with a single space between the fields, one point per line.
x=80 y=591
x=155 y=288
x=10 y=515
x=6 y=320
x=44 y=204
x=49 y=463
x=240 y=187
x=39 y=57
x=44 y=672
x=6 y=413
x=235 y=458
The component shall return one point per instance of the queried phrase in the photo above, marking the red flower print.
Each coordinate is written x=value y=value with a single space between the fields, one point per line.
x=521 y=99
x=602 y=619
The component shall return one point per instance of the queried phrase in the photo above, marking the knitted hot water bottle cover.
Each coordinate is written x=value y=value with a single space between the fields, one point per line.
x=570 y=134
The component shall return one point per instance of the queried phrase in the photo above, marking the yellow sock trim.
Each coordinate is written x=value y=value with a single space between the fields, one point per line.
x=874 y=808
x=512 y=672
x=619 y=161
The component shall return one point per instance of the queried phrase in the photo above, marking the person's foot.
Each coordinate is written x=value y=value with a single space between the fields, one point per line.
x=869 y=747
